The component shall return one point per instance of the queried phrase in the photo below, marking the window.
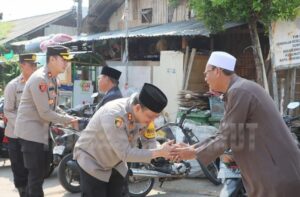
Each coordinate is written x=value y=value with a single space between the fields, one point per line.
x=147 y=15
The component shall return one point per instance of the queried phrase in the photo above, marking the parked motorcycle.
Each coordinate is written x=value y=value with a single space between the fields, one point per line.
x=64 y=139
x=291 y=121
x=68 y=173
x=3 y=140
x=144 y=174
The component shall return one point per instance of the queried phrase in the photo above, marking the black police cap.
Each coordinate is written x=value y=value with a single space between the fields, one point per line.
x=59 y=50
x=111 y=72
x=29 y=57
x=153 y=98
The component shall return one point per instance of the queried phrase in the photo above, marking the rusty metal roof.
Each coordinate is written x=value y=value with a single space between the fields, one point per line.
x=183 y=28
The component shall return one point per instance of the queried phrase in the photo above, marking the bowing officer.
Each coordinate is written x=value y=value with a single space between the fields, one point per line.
x=12 y=97
x=109 y=142
x=36 y=111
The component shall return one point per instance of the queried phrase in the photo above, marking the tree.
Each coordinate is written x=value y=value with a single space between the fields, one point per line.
x=215 y=13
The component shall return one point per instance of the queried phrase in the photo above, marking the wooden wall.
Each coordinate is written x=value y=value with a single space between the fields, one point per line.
x=196 y=81
x=160 y=12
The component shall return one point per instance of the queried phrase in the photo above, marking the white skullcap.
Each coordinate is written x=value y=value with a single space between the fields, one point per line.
x=222 y=60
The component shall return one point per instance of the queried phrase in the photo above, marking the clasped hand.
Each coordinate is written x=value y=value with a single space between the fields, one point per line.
x=178 y=151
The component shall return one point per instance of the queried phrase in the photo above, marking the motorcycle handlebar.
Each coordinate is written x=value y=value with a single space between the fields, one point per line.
x=182 y=118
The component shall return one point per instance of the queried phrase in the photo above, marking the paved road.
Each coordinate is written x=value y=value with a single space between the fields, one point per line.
x=196 y=187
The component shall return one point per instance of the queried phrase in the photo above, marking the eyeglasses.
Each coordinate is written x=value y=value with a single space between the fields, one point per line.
x=205 y=73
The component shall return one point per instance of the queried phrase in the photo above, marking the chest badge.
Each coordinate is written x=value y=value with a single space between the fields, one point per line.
x=119 y=122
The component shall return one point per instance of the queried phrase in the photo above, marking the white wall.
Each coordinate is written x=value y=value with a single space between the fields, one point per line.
x=166 y=74
x=168 y=77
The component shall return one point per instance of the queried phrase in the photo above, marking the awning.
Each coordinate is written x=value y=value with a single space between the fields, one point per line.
x=183 y=28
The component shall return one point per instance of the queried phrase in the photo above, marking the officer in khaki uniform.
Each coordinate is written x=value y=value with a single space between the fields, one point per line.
x=12 y=96
x=36 y=111
x=109 y=141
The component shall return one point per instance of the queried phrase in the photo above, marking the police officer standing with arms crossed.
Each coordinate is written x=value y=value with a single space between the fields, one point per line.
x=36 y=111
x=109 y=141
x=12 y=96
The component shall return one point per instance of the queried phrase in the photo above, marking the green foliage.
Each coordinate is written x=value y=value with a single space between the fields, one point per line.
x=5 y=28
x=174 y=3
x=215 y=12
x=8 y=71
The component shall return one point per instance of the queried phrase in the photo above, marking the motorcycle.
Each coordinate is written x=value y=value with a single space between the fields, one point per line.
x=291 y=121
x=164 y=169
x=64 y=139
x=141 y=176
x=68 y=174
x=3 y=140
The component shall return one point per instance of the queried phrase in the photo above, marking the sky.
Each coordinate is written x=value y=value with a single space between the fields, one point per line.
x=16 y=9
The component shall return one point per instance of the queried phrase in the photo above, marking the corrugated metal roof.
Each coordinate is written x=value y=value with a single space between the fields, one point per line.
x=22 y=27
x=183 y=28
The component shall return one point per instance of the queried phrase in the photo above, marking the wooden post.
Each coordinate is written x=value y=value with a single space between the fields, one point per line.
x=293 y=86
x=189 y=69
x=282 y=85
x=185 y=65
x=275 y=87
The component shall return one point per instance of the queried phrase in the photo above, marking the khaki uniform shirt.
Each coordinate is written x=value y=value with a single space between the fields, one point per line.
x=109 y=141
x=261 y=143
x=37 y=108
x=12 y=97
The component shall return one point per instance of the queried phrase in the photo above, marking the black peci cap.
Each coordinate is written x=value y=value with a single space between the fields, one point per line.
x=111 y=72
x=153 y=98
x=29 y=57
x=59 y=50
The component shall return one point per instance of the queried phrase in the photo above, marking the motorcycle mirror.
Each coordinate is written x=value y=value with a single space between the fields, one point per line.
x=293 y=105
x=95 y=94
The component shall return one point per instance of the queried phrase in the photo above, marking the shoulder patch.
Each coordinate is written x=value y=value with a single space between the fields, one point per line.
x=119 y=122
x=43 y=86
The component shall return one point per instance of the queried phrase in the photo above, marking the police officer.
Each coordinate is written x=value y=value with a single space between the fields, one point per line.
x=36 y=111
x=12 y=96
x=109 y=141
x=108 y=83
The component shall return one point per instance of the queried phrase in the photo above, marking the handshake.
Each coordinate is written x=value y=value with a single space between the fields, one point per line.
x=177 y=151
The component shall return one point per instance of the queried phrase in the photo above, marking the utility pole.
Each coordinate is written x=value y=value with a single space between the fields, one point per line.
x=126 y=41
x=79 y=16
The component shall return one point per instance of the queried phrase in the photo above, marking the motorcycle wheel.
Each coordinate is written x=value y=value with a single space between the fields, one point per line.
x=67 y=176
x=140 y=186
x=211 y=172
